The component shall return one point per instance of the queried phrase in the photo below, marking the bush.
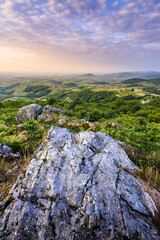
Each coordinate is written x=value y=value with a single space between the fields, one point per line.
x=30 y=125
x=154 y=117
x=51 y=101
x=141 y=113
x=95 y=115
x=35 y=89
x=1 y=104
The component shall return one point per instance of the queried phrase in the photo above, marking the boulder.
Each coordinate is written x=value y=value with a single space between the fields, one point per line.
x=49 y=114
x=6 y=153
x=28 y=112
x=48 y=108
x=47 y=117
x=78 y=187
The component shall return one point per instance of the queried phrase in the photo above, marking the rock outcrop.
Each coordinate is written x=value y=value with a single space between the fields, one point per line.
x=50 y=109
x=28 y=112
x=49 y=114
x=78 y=187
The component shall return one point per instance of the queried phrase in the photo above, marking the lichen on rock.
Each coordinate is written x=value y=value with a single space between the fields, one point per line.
x=28 y=112
x=49 y=114
x=78 y=187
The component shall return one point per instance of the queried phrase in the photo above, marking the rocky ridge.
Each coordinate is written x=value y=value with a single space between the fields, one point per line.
x=78 y=187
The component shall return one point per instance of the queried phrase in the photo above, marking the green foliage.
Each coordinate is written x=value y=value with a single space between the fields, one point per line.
x=134 y=80
x=155 y=117
x=8 y=92
x=140 y=80
x=99 y=83
x=59 y=95
x=16 y=145
x=71 y=84
x=1 y=105
x=55 y=82
x=51 y=101
x=155 y=102
x=8 y=119
x=16 y=104
x=155 y=81
x=73 y=104
x=142 y=135
x=96 y=97
x=139 y=124
x=152 y=90
x=35 y=89
x=5 y=90
x=81 y=114
x=33 y=95
x=70 y=112
x=141 y=113
x=129 y=97
x=95 y=115
x=30 y=125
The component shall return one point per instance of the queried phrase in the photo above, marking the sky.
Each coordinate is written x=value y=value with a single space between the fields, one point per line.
x=98 y=36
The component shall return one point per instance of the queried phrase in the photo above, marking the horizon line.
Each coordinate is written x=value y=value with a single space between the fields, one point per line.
x=76 y=73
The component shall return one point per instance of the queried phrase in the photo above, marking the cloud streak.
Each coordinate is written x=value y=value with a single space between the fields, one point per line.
x=70 y=29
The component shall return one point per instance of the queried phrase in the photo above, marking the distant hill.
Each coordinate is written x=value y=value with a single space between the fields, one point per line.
x=122 y=75
x=88 y=75
x=155 y=81
x=127 y=75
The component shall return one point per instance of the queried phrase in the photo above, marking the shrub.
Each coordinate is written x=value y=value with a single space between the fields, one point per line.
x=30 y=125
x=51 y=101
x=154 y=117
x=35 y=89
x=95 y=115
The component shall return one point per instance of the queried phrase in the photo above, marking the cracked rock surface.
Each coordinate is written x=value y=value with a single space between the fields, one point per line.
x=78 y=187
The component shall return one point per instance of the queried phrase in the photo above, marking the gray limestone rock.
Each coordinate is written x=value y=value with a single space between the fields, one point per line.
x=28 y=112
x=48 y=108
x=6 y=153
x=5 y=150
x=78 y=187
x=49 y=114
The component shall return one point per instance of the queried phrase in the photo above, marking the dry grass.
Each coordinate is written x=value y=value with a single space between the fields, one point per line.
x=8 y=174
x=152 y=175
